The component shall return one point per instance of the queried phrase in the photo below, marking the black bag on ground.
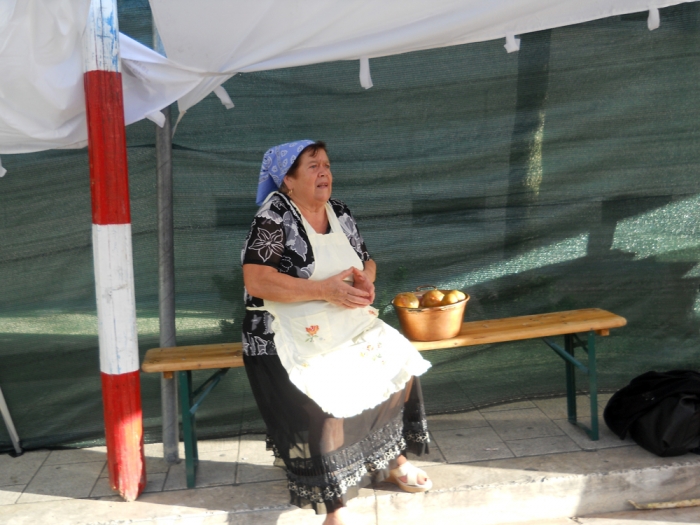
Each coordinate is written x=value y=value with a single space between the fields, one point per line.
x=660 y=410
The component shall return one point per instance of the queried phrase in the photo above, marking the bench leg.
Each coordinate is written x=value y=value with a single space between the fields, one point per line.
x=189 y=430
x=570 y=380
x=593 y=386
x=570 y=363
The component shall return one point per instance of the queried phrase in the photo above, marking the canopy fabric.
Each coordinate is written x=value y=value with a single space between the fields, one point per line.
x=243 y=36
x=41 y=86
x=42 y=100
x=563 y=176
x=43 y=103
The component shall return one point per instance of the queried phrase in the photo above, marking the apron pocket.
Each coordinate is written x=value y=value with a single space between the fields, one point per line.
x=312 y=334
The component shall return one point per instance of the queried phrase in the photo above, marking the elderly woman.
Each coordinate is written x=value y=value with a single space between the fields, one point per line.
x=337 y=387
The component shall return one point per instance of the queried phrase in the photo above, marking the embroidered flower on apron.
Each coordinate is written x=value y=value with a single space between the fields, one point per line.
x=313 y=333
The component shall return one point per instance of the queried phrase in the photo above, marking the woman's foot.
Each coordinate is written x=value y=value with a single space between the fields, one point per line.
x=421 y=478
x=408 y=477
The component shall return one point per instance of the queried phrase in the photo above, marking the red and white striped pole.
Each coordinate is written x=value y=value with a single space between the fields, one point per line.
x=111 y=240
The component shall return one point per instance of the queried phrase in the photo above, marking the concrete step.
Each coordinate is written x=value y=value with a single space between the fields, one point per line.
x=514 y=490
x=632 y=517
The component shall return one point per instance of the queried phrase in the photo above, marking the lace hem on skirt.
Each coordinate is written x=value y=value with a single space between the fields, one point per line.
x=345 y=470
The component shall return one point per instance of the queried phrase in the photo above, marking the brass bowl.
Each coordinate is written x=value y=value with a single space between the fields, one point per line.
x=431 y=323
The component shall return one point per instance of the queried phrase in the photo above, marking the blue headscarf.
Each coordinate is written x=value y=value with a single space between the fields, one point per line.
x=275 y=165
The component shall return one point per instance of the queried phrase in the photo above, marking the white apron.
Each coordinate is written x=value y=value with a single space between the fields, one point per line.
x=345 y=359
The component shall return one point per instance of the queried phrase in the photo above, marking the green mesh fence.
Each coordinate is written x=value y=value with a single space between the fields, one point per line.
x=562 y=176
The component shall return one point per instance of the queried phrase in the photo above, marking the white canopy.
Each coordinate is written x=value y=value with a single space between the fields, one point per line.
x=42 y=99
x=207 y=42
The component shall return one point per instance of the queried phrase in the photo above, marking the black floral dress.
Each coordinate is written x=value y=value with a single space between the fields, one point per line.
x=326 y=459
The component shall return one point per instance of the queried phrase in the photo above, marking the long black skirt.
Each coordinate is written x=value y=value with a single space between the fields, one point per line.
x=329 y=459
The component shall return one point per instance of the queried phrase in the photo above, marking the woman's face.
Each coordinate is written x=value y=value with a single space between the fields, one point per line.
x=312 y=183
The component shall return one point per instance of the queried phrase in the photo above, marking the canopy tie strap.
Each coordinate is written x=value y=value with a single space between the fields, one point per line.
x=654 y=20
x=512 y=43
x=365 y=76
x=157 y=117
x=221 y=92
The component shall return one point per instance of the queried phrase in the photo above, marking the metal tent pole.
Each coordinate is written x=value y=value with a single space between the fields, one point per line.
x=8 y=423
x=166 y=273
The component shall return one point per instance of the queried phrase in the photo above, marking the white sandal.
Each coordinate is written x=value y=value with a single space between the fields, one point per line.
x=411 y=484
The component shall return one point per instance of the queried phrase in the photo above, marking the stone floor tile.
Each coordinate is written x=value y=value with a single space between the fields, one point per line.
x=102 y=449
x=555 y=408
x=219 y=444
x=215 y=468
x=360 y=511
x=542 y=445
x=70 y=480
x=20 y=470
x=524 y=423
x=471 y=444
x=156 y=466
x=76 y=455
x=248 y=473
x=102 y=489
x=526 y=403
x=602 y=402
x=213 y=444
x=253 y=452
x=176 y=478
x=586 y=462
x=607 y=438
x=211 y=473
x=208 y=449
x=435 y=456
x=154 y=450
x=9 y=494
x=155 y=482
x=217 y=456
x=471 y=419
x=155 y=463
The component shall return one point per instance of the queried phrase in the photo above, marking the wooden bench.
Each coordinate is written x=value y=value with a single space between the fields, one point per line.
x=591 y=321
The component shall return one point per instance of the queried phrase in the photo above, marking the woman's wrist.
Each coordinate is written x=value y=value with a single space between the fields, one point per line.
x=370 y=270
x=319 y=290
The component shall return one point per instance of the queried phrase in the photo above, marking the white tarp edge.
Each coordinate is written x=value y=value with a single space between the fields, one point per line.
x=41 y=85
x=244 y=36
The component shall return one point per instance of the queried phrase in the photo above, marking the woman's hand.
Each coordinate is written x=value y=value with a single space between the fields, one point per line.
x=337 y=291
x=267 y=283
x=363 y=282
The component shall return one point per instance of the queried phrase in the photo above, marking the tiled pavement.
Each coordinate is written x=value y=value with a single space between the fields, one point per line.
x=525 y=428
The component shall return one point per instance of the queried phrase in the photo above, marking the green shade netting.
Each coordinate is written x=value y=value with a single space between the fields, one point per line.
x=563 y=176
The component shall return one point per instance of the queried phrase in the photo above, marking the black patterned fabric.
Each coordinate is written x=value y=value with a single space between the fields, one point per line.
x=277 y=238
x=325 y=477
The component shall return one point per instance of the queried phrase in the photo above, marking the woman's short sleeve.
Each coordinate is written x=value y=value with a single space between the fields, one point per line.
x=264 y=244
x=349 y=226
